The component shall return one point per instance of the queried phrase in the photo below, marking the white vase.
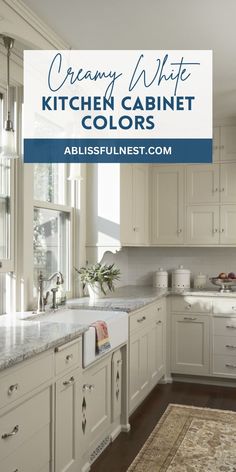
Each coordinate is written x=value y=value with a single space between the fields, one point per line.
x=95 y=291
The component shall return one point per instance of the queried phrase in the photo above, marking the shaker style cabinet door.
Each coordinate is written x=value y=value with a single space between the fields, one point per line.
x=228 y=183
x=228 y=143
x=67 y=423
x=167 y=213
x=216 y=145
x=202 y=184
x=134 y=204
x=228 y=224
x=190 y=344
x=203 y=224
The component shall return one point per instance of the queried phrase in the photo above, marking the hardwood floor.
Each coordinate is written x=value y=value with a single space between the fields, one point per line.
x=119 y=455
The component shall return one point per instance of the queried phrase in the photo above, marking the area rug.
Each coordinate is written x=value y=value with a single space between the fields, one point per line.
x=189 y=439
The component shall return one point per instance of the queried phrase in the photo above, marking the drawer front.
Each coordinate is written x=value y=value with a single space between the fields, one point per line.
x=224 y=326
x=224 y=346
x=19 y=381
x=67 y=356
x=142 y=319
x=224 y=365
x=191 y=304
x=32 y=456
x=224 y=306
x=22 y=422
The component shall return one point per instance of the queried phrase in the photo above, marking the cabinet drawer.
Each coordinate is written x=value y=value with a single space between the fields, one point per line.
x=32 y=456
x=225 y=306
x=141 y=319
x=22 y=422
x=224 y=346
x=224 y=365
x=25 y=378
x=67 y=356
x=191 y=304
x=224 y=326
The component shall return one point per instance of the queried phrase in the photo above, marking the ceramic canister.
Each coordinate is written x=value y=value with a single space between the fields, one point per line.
x=181 y=278
x=200 y=280
x=160 y=278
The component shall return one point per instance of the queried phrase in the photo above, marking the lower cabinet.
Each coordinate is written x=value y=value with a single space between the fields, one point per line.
x=95 y=398
x=146 y=351
x=67 y=422
x=190 y=344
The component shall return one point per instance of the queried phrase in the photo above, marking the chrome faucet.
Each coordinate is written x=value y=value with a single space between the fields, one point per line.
x=42 y=301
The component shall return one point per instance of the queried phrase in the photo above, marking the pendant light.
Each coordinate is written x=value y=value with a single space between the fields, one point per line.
x=8 y=150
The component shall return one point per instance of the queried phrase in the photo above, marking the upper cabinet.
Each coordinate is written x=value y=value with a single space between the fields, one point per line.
x=202 y=184
x=117 y=207
x=134 y=204
x=224 y=144
x=167 y=204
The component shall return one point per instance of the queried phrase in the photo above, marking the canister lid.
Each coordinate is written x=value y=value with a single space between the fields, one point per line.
x=161 y=271
x=181 y=270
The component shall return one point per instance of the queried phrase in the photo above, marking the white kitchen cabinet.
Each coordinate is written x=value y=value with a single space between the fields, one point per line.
x=67 y=422
x=228 y=143
x=216 y=144
x=190 y=352
x=202 y=184
x=227 y=183
x=228 y=224
x=157 y=345
x=203 y=225
x=134 y=204
x=167 y=202
x=146 y=351
x=95 y=405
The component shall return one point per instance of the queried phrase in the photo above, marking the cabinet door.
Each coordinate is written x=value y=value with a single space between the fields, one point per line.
x=216 y=144
x=202 y=183
x=157 y=349
x=228 y=224
x=96 y=402
x=140 y=204
x=228 y=143
x=190 y=344
x=167 y=205
x=67 y=423
x=134 y=204
x=139 y=377
x=228 y=183
x=203 y=224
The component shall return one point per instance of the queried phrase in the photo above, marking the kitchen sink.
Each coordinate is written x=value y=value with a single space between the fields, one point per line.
x=117 y=324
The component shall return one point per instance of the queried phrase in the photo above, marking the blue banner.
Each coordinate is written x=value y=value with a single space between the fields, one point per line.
x=166 y=151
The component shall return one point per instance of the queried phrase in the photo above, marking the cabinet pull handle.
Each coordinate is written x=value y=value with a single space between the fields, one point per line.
x=158 y=322
x=13 y=432
x=230 y=346
x=69 y=382
x=188 y=318
x=188 y=307
x=140 y=320
x=88 y=387
x=69 y=357
x=233 y=366
x=12 y=389
x=231 y=326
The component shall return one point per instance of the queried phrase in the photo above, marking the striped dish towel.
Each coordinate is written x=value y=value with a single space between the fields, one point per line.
x=102 y=336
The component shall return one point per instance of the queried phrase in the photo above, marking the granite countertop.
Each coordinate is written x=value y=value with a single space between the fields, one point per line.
x=21 y=339
x=132 y=297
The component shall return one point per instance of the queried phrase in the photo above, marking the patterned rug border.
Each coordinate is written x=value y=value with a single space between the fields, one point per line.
x=162 y=420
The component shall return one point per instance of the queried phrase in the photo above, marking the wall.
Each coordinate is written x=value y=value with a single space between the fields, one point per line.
x=138 y=264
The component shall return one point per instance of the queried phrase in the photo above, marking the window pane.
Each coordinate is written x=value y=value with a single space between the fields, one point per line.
x=51 y=243
x=49 y=183
x=4 y=208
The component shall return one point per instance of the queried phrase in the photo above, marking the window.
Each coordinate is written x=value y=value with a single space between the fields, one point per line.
x=52 y=223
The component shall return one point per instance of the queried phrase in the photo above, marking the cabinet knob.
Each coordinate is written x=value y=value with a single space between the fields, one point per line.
x=222 y=230
x=216 y=189
x=234 y=308
x=231 y=326
x=13 y=388
x=69 y=382
x=69 y=357
x=158 y=322
x=230 y=346
x=88 y=387
x=159 y=308
x=188 y=307
x=222 y=190
x=179 y=231
x=232 y=366
x=140 y=320
x=215 y=230
x=12 y=433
